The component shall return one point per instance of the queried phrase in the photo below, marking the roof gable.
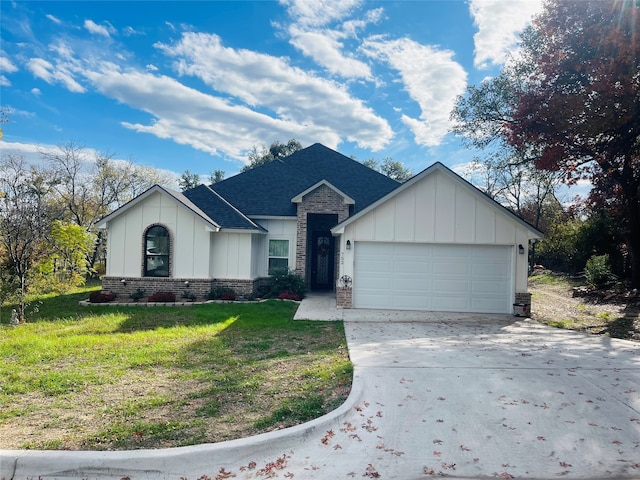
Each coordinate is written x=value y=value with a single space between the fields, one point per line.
x=177 y=196
x=347 y=199
x=439 y=167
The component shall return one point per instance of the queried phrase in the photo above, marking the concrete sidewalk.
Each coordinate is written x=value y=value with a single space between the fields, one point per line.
x=434 y=395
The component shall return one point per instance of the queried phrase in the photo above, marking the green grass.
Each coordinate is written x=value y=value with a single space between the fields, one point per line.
x=104 y=377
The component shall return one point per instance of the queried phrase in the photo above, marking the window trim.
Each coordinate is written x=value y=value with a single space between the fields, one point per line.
x=278 y=257
x=168 y=255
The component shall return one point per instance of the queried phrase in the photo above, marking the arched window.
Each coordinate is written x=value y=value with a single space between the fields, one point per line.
x=156 y=244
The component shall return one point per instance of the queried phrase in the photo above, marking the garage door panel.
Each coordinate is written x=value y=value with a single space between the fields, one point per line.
x=407 y=302
x=489 y=288
x=463 y=278
x=411 y=285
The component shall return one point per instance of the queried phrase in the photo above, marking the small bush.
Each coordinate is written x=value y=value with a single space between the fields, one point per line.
x=101 y=297
x=287 y=295
x=162 y=297
x=137 y=295
x=189 y=295
x=598 y=271
x=285 y=281
x=221 y=293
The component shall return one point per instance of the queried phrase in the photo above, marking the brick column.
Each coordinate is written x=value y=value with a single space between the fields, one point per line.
x=322 y=200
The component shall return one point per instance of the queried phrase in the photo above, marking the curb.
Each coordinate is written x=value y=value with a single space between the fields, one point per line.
x=171 y=463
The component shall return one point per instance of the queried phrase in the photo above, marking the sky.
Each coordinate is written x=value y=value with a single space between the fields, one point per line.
x=196 y=85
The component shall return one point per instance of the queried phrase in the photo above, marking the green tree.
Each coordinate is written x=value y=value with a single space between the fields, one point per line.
x=216 y=176
x=26 y=215
x=87 y=186
x=571 y=102
x=275 y=151
x=391 y=168
x=188 y=180
x=71 y=245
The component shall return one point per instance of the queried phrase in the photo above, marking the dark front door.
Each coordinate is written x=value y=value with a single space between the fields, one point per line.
x=322 y=261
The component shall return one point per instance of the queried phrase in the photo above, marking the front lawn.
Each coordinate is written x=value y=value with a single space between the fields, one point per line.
x=105 y=378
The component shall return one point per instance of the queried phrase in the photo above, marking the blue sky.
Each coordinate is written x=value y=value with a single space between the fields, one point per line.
x=195 y=85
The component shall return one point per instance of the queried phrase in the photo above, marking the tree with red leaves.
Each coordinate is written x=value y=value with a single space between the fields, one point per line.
x=572 y=102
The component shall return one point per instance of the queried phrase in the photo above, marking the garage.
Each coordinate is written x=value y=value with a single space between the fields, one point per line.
x=434 y=243
x=438 y=277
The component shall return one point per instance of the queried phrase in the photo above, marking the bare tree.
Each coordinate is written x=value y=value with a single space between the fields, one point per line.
x=26 y=215
x=89 y=186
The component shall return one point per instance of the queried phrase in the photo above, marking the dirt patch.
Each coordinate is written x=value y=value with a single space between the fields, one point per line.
x=564 y=302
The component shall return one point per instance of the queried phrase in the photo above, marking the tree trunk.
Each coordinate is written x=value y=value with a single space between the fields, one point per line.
x=22 y=296
x=94 y=255
x=631 y=200
x=633 y=244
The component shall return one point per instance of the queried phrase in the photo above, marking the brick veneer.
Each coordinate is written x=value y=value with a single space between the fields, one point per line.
x=198 y=286
x=344 y=297
x=322 y=200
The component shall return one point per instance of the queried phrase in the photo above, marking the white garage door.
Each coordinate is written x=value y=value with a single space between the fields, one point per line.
x=453 y=278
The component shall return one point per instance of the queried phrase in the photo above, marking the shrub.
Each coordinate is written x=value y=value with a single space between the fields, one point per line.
x=287 y=295
x=162 y=297
x=285 y=281
x=101 y=297
x=137 y=295
x=598 y=271
x=221 y=293
x=189 y=295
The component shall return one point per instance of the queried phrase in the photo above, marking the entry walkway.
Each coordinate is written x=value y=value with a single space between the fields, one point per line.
x=434 y=395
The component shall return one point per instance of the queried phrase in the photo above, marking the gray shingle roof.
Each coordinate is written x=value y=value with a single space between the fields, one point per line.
x=268 y=189
x=217 y=208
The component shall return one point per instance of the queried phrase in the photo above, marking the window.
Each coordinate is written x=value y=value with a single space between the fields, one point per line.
x=278 y=255
x=156 y=244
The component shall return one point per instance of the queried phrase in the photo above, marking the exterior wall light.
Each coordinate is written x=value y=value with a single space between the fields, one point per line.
x=348 y=244
x=520 y=249
x=123 y=282
x=186 y=283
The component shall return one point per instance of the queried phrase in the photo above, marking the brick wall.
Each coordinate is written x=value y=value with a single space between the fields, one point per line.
x=322 y=200
x=523 y=297
x=198 y=286
x=344 y=297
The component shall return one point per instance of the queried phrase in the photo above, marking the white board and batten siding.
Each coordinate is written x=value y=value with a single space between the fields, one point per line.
x=278 y=228
x=191 y=250
x=435 y=245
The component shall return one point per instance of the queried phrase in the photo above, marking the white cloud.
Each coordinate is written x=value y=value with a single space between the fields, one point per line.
x=54 y=19
x=96 y=29
x=51 y=74
x=499 y=22
x=36 y=92
x=431 y=78
x=205 y=122
x=6 y=65
x=316 y=13
x=151 y=68
x=311 y=35
x=327 y=52
x=265 y=81
x=130 y=31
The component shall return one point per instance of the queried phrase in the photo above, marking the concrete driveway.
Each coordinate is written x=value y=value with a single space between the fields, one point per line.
x=463 y=396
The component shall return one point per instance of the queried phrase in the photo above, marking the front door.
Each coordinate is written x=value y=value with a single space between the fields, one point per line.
x=322 y=261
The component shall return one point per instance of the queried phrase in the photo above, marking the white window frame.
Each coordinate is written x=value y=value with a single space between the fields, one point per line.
x=287 y=257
